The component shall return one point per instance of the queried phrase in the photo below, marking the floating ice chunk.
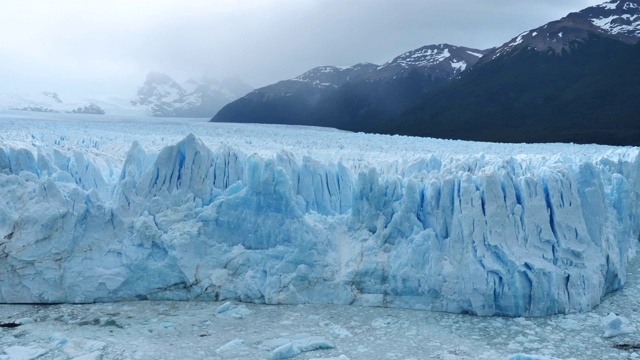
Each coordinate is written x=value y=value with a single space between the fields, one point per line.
x=24 y=352
x=229 y=310
x=58 y=339
x=224 y=307
x=230 y=347
x=530 y=357
x=340 y=332
x=616 y=325
x=96 y=355
x=24 y=321
x=300 y=345
x=80 y=347
x=336 y=331
x=570 y=324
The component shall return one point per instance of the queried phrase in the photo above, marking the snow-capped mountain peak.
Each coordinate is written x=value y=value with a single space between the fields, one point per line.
x=158 y=87
x=614 y=19
x=334 y=76
x=424 y=56
x=163 y=96
x=53 y=95
x=440 y=59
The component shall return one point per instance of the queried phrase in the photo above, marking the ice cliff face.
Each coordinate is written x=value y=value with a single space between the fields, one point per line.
x=477 y=234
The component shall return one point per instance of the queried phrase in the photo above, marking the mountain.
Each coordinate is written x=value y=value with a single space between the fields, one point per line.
x=290 y=101
x=164 y=97
x=352 y=97
x=576 y=79
x=49 y=102
x=160 y=95
x=616 y=20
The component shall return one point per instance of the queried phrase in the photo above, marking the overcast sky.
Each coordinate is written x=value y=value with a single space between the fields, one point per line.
x=106 y=47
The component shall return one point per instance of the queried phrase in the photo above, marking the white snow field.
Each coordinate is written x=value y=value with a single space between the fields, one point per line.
x=115 y=209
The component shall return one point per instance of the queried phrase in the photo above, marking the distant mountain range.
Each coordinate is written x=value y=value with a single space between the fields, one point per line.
x=576 y=79
x=354 y=97
x=159 y=96
x=48 y=102
x=164 y=97
x=572 y=80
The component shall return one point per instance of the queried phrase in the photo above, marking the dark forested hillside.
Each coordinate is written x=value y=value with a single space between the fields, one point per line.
x=588 y=93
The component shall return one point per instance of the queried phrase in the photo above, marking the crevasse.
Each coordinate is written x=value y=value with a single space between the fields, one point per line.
x=489 y=237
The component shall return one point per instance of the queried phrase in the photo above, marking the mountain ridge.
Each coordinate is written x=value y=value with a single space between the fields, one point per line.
x=581 y=89
x=162 y=96
x=570 y=80
x=316 y=96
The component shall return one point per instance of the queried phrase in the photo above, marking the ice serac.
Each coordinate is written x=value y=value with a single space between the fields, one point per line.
x=527 y=235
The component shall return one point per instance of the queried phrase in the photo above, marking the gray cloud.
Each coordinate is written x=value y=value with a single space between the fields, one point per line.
x=108 y=47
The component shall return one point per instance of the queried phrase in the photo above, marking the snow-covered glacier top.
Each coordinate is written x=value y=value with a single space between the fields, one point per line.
x=122 y=208
x=110 y=137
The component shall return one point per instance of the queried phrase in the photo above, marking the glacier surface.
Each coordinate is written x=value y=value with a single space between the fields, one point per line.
x=120 y=209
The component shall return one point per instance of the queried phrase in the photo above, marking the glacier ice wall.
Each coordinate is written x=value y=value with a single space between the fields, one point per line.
x=514 y=236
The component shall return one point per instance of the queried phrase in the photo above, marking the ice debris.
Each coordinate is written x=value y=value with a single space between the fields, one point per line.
x=24 y=352
x=289 y=347
x=230 y=347
x=530 y=357
x=616 y=325
x=233 y=311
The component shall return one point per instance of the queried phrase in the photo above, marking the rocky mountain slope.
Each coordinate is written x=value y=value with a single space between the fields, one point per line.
x=350 y=97
x=164 y=97
x=576 y=79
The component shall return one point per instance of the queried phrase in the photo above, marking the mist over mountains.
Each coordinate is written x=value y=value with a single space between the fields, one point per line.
x=575 y=79
x=159 y=96
x=353 y=98
x=164 y=97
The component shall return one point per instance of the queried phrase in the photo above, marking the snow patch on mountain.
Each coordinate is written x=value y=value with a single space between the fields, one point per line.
x=334 y=76
x=442 y=60
x=459 y=66
x=422 y=57
x=507 y=47
x=620 y=19
x=619 y=24
x=609 y=5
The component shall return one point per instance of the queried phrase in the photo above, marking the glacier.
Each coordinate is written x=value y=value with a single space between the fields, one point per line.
x=119 y=209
